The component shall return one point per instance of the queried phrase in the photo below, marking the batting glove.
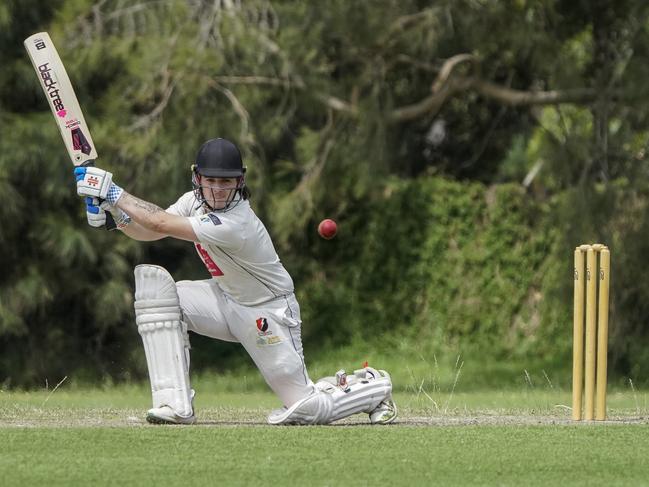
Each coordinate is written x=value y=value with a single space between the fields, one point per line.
x=97 y=216
x=97 y=183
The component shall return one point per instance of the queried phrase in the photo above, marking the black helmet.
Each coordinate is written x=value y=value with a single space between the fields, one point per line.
x=219 y=158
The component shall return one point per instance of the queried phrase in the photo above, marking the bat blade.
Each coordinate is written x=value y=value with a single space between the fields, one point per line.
x=61 y=98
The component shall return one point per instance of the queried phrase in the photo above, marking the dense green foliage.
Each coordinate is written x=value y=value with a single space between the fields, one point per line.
x=437 y=261
x=465 y=148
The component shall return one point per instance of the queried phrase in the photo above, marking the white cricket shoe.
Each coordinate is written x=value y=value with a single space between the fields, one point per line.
x=166 y=415
x=384 y=413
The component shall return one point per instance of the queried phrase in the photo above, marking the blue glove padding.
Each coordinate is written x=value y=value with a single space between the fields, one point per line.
x=97 y=215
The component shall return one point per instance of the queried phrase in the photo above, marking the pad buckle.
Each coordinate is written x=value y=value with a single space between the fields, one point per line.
x=341 y=380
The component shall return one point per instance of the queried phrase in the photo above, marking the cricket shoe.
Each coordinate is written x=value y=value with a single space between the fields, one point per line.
x=384 y=413
x=166 y=415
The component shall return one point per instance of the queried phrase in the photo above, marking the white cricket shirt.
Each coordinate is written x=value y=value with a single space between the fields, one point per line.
x=237 y=251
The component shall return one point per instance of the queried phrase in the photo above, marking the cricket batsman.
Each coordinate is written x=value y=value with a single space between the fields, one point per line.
x=249 y=299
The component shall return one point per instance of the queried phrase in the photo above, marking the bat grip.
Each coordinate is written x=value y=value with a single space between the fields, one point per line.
x=110 y=221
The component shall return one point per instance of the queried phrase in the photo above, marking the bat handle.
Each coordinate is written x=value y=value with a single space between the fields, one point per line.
x=110 y=221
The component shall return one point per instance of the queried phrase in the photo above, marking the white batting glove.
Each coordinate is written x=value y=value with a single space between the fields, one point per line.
x=96 y=214
x=97 y=183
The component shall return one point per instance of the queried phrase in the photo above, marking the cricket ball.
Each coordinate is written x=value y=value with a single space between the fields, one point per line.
x=327 y=229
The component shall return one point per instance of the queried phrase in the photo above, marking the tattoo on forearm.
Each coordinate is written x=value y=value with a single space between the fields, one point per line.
x=145 y=205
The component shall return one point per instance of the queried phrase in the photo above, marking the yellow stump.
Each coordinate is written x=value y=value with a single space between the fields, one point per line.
x=578 y=336
x=602 y=331
x=589 y=358
x=591 y=333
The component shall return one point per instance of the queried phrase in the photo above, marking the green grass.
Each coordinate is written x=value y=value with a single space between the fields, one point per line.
x=77 y=436
x=471 y=455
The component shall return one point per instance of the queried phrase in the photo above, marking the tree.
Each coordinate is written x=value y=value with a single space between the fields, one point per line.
x=331 y=102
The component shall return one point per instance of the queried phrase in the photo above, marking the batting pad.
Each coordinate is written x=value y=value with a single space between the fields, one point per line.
x=362 y=392
x=166 y=343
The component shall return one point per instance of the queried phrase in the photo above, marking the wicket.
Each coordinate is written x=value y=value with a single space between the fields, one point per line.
x=596 y=343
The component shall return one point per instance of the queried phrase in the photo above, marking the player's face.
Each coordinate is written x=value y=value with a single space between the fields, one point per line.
x=218 y=191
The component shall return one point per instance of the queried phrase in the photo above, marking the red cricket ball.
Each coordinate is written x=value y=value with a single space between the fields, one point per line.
x=327 y=229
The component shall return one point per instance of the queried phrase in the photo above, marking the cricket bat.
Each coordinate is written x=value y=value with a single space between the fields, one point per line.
x=61 y=98
x=63 y=102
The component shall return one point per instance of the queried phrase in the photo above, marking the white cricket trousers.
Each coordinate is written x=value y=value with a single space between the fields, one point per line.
x=270 y=333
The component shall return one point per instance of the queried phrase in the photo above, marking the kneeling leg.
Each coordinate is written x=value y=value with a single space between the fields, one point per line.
x=368 y=390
